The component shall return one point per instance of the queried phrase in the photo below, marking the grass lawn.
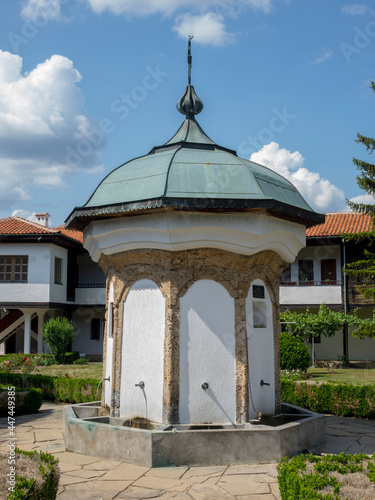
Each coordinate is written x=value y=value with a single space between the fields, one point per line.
x=91 y=370
x=356 y=376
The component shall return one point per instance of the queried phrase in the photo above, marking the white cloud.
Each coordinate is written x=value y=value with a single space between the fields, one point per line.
x=319 y=192
x=366 y=199
x=355 y=9
x=327 y=53
x=147 y=7
x=207 y=29
x=41 y=9
x=25 y=214
x=43 y=127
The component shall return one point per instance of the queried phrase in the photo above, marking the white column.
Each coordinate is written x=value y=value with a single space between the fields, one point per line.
x=27 y=332
x=40 y=329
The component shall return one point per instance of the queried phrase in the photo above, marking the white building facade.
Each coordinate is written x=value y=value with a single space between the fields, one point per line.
x=45 y=272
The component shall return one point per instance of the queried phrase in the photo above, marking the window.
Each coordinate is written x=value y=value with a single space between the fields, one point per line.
x=58 y=270
x=287 y=274
x=95 y=328
x=13 y=268
x=328 y=271
x=306 y=272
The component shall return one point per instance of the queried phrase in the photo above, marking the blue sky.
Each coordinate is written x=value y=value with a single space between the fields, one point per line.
x=86 y=85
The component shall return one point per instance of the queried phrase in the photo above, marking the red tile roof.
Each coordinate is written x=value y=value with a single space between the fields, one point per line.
x=339 y=223
x=20 y=226
x=335 y=224
x=70 y=233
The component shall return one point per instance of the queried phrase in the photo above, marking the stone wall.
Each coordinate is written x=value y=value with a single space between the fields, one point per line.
x=174 y=273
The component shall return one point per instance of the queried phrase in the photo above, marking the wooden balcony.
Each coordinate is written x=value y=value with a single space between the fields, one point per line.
x=355 y=298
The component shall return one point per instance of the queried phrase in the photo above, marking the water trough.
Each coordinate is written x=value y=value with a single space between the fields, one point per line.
x=88 y=431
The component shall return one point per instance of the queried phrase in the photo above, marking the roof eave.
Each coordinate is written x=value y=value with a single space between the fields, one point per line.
x=57 y=239
x=81 y=217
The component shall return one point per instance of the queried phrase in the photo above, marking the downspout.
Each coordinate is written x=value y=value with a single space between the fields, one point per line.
x=345 y=328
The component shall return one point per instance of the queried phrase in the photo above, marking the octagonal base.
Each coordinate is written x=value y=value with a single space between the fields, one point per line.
x=88 y=431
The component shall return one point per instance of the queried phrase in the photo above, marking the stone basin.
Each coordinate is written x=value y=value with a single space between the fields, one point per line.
x=287 y=434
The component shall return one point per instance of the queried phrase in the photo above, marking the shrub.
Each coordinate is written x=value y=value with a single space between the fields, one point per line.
x=65 y=389
x=46 y=360
x=37 y=476
x=294 y=355
x=58 y=333
x=22 y=363
x=81 y=361
x=15 y=401
x=306 y=476
x=70 y=357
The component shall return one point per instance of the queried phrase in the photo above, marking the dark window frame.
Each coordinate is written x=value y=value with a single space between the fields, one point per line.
x=286 y=276
x=14 y=268
x=305 y=272
x=58 y=271
x=96 y=324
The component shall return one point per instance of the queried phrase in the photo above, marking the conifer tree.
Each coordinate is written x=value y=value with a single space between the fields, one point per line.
x=366 y=179
x=364 y=269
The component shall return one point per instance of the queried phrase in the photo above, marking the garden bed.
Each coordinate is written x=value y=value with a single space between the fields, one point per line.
x=330 y=477
x=28 y=475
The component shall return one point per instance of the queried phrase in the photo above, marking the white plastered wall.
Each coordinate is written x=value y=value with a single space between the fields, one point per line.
x=58 y=290
x=261 y=352
x=142 y=357
x=83 y=343
x=246 y=234
x=207 y=354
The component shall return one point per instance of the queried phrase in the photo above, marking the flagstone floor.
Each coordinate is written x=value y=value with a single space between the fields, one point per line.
x=91 y=478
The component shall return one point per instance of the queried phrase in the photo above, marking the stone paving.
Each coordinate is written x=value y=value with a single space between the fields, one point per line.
x=91 y=478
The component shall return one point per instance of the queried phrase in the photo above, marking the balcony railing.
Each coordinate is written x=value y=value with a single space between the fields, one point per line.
x=311 y=283
x=91 y=285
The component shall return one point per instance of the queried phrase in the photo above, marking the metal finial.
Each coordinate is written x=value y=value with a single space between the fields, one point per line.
x=189 y=58
x=189 y=104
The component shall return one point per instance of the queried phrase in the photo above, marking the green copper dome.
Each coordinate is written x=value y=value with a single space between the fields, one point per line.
x=192 y=172
x=192 y=167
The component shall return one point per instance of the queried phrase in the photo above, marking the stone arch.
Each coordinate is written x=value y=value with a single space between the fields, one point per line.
x=125 y=286
x=208 y=276
x=142 y=352
x=207 y=354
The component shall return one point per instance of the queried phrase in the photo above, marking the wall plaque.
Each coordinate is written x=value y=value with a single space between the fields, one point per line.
x=258 y=291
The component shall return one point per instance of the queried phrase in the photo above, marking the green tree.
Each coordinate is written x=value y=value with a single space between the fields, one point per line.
x=306 y=324
x=326 y=322
x=58 y=333
x=363 y=270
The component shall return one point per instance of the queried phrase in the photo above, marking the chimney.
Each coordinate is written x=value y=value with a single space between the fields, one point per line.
x=43 y=219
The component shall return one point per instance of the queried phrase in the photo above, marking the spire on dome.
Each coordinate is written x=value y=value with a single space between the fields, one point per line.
x=189 y=58
x=189 y=104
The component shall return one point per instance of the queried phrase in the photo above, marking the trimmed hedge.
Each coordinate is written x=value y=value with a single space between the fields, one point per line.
x=69 y=357
x=343 y=400
x=25 y=401
x=27 y=487
x=306 y=476
x=67 y=390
